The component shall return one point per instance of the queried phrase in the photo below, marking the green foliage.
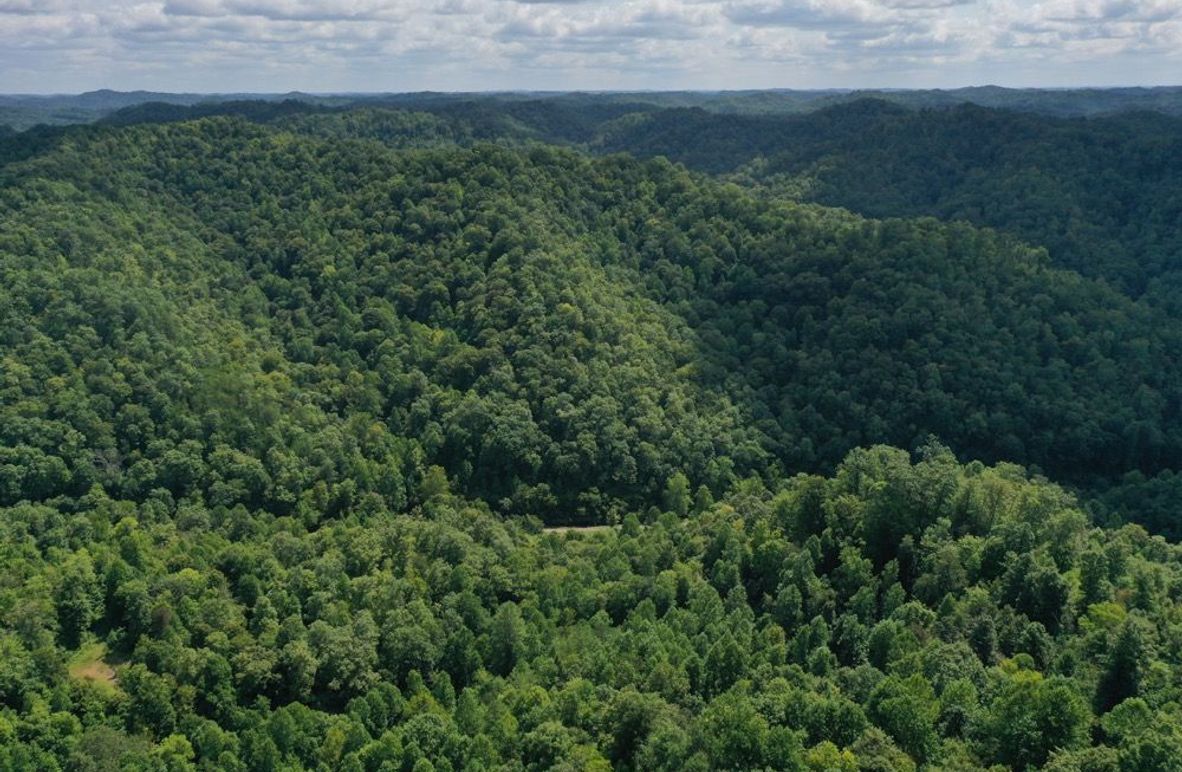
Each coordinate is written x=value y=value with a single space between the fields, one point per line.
x=1031 y=716
x=447 y=635
x=906 y=708
x=560 y=336
x=1100 y=194
x=283 y=410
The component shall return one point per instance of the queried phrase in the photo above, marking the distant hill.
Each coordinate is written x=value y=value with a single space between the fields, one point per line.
x=22 y=111
x=1103 y=194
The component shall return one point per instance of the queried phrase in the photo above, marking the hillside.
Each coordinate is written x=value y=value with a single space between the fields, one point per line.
x=285 y=403
x=1101 y=194
x=562 y=334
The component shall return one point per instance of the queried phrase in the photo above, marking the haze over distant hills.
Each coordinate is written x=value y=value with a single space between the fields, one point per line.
x=24 y=110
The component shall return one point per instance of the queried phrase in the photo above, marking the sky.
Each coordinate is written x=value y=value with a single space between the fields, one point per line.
x=69 y=46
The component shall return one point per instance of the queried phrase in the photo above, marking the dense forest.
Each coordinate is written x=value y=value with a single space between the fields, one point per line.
x=485 y=434
x=591 y=326
x=1101 y=193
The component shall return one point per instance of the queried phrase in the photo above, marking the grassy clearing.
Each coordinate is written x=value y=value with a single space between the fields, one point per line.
x=578 y=529
x=90 y=664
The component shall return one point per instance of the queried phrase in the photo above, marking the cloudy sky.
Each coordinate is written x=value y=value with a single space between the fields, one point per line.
x=407 y=45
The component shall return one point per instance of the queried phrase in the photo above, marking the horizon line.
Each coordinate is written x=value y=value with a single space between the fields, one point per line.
x=491 y=92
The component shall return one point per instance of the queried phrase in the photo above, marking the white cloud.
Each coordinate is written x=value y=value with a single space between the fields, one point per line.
x=371 y=45
x=1147 y=11
x=809 y=14
x=290 y=10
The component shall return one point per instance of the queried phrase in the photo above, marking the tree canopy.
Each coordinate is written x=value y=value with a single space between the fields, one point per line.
x=298 y=407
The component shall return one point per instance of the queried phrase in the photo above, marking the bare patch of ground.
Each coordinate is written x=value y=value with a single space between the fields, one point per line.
x=578 y=529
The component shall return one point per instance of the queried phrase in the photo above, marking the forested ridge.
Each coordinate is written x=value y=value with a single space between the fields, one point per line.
x=288 y=394
x=1101 y=193
x=618 y=320
x=22 y=111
